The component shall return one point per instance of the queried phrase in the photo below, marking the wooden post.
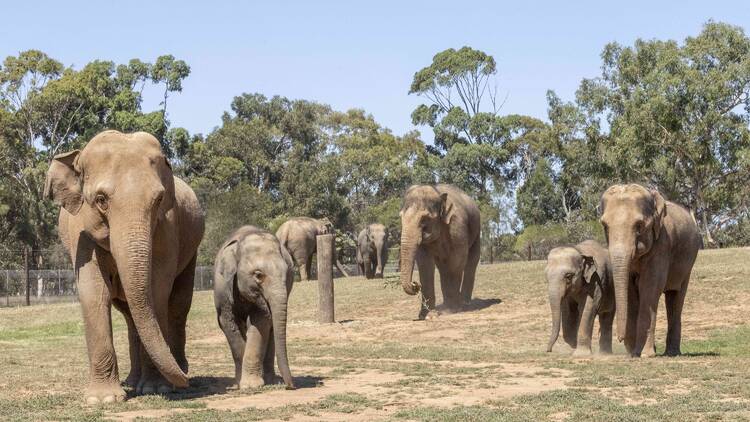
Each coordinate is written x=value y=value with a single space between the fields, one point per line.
x=325 y=260
x=492 y=254
x=7 y=287
x=26 y=271
x=529 y=251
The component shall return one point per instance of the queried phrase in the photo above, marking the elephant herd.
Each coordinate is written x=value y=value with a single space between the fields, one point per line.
x=132 y=231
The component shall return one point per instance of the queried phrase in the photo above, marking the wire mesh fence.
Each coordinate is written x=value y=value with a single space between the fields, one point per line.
x=29 y=277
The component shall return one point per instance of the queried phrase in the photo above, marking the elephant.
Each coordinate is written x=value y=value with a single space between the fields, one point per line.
x=580 y=289
x=439 y=227
x=372 y=250
x=297 y=235
x=132 y=230
x=653 y=244
x=253 y=276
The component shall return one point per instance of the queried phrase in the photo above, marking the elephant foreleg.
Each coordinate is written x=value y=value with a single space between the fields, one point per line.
x=269 y=372
x=587 y=313
x=570 y=321
x=233 y=331
x=96 y=304
x=426 y=266
x=179 y=307
x=134 y=344
x=646 y=327
x=258 y=330
x=152 y=381
x=605 y=334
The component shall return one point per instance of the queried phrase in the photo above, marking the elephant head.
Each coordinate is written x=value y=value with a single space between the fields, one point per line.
x=377 y=236
x=120 y=187
x=632 y=217
x=425 y=216
x=261 y=271
x=567 y=271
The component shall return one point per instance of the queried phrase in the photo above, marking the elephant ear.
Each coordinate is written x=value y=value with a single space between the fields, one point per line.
x=590 y=269
x=446 y=208
x=226 y=261
x=63 y=183
x=660 y=211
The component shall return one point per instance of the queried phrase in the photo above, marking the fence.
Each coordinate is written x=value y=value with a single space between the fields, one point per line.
x=57 y=283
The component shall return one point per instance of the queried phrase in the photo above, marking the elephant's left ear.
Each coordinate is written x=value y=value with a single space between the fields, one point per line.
x=660 y=211
x=590 y=269
x=446 y=209
x=63 y=184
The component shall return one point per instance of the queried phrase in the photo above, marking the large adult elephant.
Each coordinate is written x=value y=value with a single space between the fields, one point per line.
x=253 y=276
x=652 y=246
x=439 y=227
x=372 y=250
x=298 y=236
x=132 y=230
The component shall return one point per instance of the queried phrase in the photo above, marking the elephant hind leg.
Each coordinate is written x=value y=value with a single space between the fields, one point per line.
x=470 y=271
x=674 y=301
x=179 y=306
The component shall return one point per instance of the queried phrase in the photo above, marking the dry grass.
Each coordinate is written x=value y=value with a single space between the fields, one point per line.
x=377 y=363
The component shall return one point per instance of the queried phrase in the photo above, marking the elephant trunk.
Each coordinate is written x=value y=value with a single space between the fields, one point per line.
x=278 y=300
x=131 y=245
x=409 y=245
x=621 y=274
x=556 y=295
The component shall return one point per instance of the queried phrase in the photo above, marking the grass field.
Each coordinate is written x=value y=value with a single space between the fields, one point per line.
x=377 y=363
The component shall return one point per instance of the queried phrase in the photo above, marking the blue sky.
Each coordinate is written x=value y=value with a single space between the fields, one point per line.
x=349 y=54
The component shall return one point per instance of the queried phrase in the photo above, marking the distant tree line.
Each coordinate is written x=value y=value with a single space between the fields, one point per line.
x=675 y=116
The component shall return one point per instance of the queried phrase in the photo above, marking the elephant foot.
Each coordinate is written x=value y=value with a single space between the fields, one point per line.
x=427 y=314
x=109 y=392
x=648 y=352
x=251 y=382
x=582 y=352
x=272 y=378
x=672 y=352
x=157 y=385
x=132 y=379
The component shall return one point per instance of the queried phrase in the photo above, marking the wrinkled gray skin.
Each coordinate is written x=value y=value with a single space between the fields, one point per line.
x=439 y=227
x=298 y=236
x=580 y=289
x=132 y=230
x=253 y=276
x=372 y=250
x=653 y=244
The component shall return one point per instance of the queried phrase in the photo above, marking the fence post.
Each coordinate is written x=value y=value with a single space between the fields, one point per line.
x=529 y=251
x=7 y=287
x=26 y=271
x=325 y=278
x=492 y=254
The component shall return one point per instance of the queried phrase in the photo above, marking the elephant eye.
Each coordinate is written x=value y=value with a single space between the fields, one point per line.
x=101 y=202
x=639 y=227
x=569 y=276
x=259 y=276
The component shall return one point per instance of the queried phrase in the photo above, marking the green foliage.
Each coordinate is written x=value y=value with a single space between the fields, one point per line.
x=535 y=242
x=47 y=108
x=538 y=199
x=678 y=118
x=229 y=210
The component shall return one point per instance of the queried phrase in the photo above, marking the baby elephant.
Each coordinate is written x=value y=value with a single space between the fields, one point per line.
x=253 y=276
x=580 y=288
